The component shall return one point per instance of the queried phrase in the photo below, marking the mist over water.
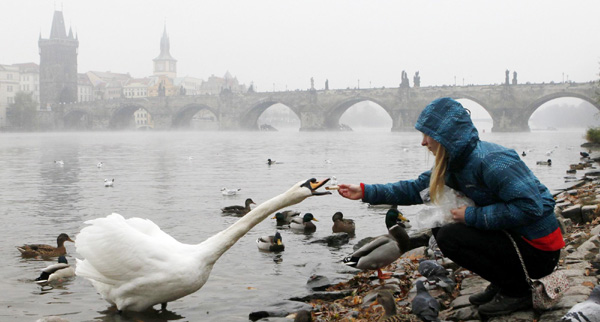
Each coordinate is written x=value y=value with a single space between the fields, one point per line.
x=174 y=179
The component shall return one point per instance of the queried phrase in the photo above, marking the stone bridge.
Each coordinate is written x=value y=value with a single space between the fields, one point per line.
x=510 y=106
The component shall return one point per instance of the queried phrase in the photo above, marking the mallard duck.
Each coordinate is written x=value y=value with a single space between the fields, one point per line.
x=384 y=249
x=148 y=267
x=239 y=210
x=56 y=273
x=549 y=162
x=285 y=217
x=44 y=251
x=109 y=183
x=391 y=314
x=341 y=225
x=305 y=223
x=229 y=192
x=272 y=243
x=270 y=162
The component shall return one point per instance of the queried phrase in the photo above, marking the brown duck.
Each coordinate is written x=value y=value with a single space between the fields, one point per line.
x=239 y=210
x=341 y=225
x=41 y=250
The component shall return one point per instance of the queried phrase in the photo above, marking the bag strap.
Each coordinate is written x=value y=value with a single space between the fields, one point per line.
x=529 y=281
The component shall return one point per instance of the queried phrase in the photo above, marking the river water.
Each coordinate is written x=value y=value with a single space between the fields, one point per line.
x=174 y=179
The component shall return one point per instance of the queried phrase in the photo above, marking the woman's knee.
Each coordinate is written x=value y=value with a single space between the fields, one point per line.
x=448 y=237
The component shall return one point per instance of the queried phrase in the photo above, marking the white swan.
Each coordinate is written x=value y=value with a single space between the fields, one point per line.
x=134 y=265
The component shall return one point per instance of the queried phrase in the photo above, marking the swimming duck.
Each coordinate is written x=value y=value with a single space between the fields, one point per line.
x=285 y=217
x=269 y=161
x=44 y=251
x=59 y=162
x=109 y=183
x=148 y=267
x=305 y=223
x=239 y=210
x=272 y=243
x=549 y=162
x=100 y=164
x=229 y=192
x=341 y=225
x=56 y=273
x=384 y=249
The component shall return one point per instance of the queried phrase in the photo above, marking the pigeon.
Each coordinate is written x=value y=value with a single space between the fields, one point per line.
x=588 y=310
x=425 y=306
x=436 y=273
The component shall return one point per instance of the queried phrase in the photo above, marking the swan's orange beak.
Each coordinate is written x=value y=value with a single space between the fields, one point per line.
x=313 y=185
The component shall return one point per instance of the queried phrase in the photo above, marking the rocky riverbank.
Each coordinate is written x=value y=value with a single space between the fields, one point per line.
x=578 y=211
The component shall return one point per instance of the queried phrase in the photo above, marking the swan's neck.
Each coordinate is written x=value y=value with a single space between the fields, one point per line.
x=218 y=244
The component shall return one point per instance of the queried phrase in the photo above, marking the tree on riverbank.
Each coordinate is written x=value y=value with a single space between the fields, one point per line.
x=22 y=114
x=593 y=134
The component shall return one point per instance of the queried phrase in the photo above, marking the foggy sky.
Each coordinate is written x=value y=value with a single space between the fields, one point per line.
x=281 y=44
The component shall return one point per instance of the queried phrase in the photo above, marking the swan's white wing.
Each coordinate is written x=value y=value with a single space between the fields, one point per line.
x=115 y=249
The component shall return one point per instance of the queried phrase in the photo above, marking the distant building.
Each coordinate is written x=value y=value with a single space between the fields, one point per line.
x=143 y=119
x=165 y=64
x=136 y=87
x=85 y=89
x=108 y=85
x=215 y=85
x=9 y=86
x=188 y=85
x=29 y=79
x=58 y=65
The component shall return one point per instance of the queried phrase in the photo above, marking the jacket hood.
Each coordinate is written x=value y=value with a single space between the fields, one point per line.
x=449 y=123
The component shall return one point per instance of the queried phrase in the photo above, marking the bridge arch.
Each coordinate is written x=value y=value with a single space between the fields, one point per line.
x=332 y=120
x=544 y=99
x=77 y=120
x=250 y=120
x=122 y=117
x=183 y=117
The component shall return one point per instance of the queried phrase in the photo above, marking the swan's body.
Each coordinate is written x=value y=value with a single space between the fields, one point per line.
x=239 y=210
x=156 y=268
x=56 y=273
x=273 y=243
x=45 y=251
x=109 y=183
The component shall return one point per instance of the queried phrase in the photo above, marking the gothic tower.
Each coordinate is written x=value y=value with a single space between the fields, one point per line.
x=58 y=65
x=165 y=64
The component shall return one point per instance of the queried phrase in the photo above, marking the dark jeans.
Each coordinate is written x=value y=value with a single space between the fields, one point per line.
x=491 y=255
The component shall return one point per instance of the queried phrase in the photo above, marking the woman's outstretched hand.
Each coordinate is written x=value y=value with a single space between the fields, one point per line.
x=458 y=214
x=350 y=191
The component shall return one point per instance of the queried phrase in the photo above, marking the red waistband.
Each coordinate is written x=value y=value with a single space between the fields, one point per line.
x=553 y=241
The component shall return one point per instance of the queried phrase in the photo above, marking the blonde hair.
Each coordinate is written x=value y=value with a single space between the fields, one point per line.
x=438 y=174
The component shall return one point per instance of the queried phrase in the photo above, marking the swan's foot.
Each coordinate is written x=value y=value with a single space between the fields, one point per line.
x=163 y=306
x=383 y=276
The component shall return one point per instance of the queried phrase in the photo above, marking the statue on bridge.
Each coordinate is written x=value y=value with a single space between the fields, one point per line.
x=514 y=80
x=506 y=78
x=405 y=83
x=326 y=84
x=417 y=80
x=312 y=84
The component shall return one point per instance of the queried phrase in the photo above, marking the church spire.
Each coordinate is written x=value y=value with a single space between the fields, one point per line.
x=58 y=26
x=165 y=64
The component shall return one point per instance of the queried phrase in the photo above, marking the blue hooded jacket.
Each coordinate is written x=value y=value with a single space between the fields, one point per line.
x=506 y=193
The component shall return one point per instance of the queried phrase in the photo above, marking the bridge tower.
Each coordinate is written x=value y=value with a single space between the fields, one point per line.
x=58 y=65
x=165 y=64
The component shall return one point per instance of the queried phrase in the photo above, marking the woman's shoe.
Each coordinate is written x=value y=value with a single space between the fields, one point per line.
x=503 y=305
x=485 y=296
